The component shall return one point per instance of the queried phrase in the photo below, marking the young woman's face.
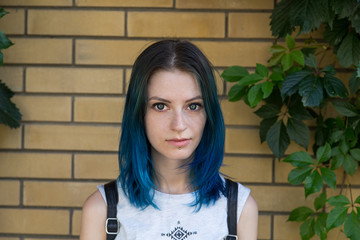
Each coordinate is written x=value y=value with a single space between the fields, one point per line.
x=175 y=115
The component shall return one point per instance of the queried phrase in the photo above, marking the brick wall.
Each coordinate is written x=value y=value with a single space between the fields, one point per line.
x=70 y=66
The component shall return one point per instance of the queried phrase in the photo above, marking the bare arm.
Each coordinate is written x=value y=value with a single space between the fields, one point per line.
x=93 y=218
x=248 y=223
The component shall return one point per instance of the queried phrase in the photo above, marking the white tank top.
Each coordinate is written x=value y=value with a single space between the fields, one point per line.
x=176 y=219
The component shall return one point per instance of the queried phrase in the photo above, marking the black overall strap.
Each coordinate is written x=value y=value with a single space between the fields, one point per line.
x=112 y=225
x=232 y=195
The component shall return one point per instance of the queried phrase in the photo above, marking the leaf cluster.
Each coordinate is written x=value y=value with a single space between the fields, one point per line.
x=9 y=113
x=341 y=19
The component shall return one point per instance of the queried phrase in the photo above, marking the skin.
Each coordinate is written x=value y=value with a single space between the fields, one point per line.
x=175 y=116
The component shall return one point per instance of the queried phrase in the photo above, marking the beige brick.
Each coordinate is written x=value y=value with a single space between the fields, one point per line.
x=71 y=194
x=13 y=23
x=108 y=52
x=249 y=25
x=35 y=165
x=226 y=54
x=48 y=238
x=98 y=109
x=248 y=141
x=10 y=192
x=10 y=138
x=12 y=77
x=238 y=113
x=284 y=230
x=70 y=22
x=248 y=169
x=34 y=221
x=9 y=238
x=225 y=4
x=281 y=198
x=264 y=227
x=36 y=3
x=39 y=50
x=282 y=170
x=76 y=223
x=176 y=24
x=219 y=82
x=40 y=108
x=244 y=141
x=96 y=166
x=127 y=78
x=124 y=3
x=74 y=80
x=72 y=137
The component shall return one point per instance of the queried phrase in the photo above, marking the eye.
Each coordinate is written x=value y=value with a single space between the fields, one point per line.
x=194 y=106
x=159 y=106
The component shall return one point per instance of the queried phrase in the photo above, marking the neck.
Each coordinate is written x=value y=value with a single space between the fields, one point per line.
x=171 y=177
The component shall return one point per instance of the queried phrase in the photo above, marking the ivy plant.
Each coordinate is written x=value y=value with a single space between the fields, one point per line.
x=296 y=86
x=9 y=113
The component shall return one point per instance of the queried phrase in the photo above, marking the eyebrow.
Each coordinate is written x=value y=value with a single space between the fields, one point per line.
x=168 y=101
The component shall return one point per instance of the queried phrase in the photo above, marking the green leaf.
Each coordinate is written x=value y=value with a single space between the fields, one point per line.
x=337 y=161
x=355 y=20
x=286 y=61
x=307 y=230
x=352 y=226
x=297 y=110
x=350 y=165
x=262 y=70
x=290 y=42
x=2 y=12
x=329 y=177
x=336 y=34
x=299 y=159
x=276 y=76
x=265 y=125
x=236 y=93
x=345 y=108
x=311 y=61
x=298 y=175
x=344 y=8
x=329 y=69
x=278 y=139
x=250 y=79
x=320 y=226
x=339 y=201
x=336 y=217
x=280 y=22
x=355 y=153
x=320 y=201
x=354 y=82
x=310 y=88
x=298 y=132
x=276 y=48
x=275 y=59
x=298 y=57
x=234 y=73
x=300 y=214
x=4 y=41
x=313 y=183
x=336 y=136
x=323 y=153
x=357 y=200
x=9 y=113
x=267 y=88
x=268 y=111
x=334 y=87
x=349 y=50
x=291 y=83
x=255 y=95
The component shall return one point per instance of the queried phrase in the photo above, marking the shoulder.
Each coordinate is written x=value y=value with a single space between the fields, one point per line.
x=93 y=217
x=247 y=225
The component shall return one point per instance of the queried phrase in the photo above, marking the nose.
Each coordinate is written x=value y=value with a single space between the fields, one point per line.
x=178 y=121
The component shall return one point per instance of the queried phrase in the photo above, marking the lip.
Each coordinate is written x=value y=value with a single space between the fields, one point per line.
x=179 y=142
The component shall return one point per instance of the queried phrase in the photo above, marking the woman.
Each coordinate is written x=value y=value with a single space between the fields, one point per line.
x=170 y=153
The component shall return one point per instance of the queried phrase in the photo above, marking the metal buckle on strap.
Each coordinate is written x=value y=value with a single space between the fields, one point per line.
x=114 y=224
x=231 y=237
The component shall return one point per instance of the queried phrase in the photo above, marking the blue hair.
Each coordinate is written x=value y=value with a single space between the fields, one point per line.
x=136 y=168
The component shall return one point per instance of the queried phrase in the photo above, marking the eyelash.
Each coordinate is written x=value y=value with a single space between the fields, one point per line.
x=156 y=105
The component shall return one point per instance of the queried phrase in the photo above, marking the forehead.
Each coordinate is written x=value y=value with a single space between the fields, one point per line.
x=172 y=84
